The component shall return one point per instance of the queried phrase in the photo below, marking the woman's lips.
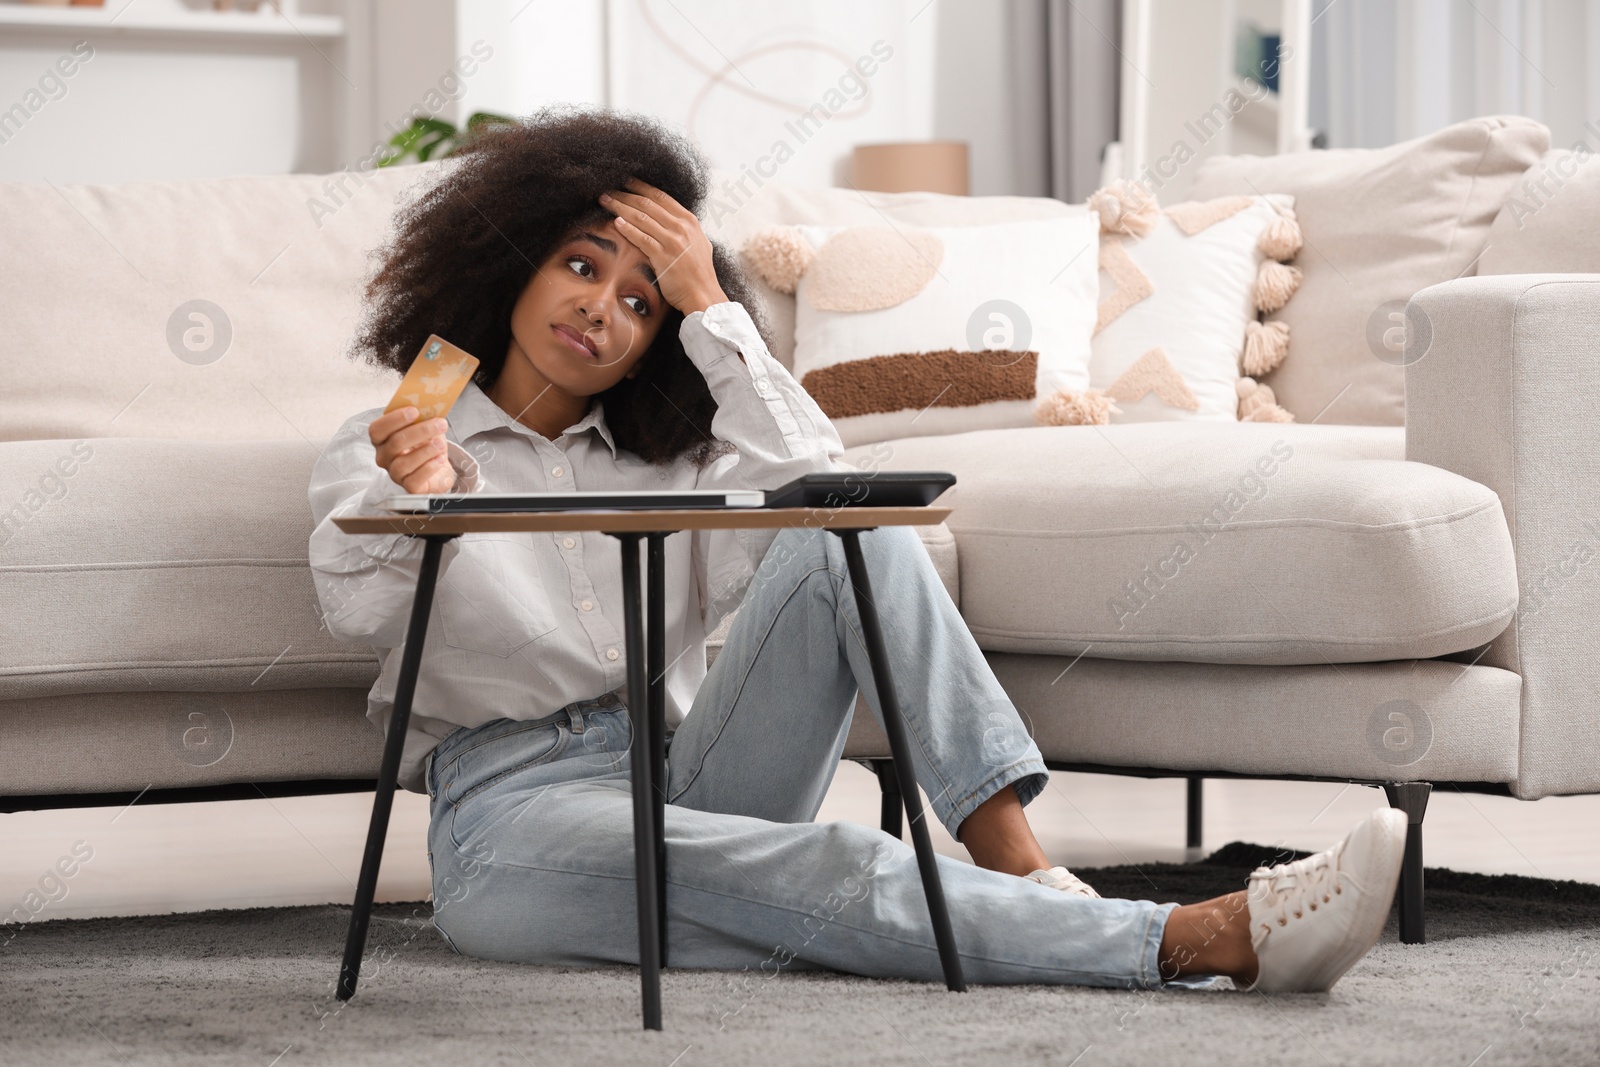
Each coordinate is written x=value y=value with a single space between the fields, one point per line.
x=574 y=339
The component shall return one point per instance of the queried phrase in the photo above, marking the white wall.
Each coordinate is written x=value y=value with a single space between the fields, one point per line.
x=152 y=106
x=544 y=53
x=733 y=74
x=130 y=114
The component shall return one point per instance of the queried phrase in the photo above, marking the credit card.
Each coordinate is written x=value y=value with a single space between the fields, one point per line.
x=435 y=380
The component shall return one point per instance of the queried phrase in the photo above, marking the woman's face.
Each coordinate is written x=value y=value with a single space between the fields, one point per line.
x=589 y=312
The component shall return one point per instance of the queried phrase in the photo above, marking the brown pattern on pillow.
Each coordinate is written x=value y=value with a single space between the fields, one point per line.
x=914 y=380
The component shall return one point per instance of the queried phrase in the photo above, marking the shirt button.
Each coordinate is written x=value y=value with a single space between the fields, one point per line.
x=557 y=471
x=587 y=605
x=568 y=542
x=611 y=653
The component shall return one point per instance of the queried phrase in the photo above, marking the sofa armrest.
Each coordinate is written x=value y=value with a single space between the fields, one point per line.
x=1500 y=389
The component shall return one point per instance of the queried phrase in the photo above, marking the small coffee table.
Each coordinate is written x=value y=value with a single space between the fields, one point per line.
x=646 y=649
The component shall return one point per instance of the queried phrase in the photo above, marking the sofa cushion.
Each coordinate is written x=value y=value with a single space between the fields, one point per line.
x=1551 y=222
x=163 y=565
x=1379 y=224
x=1224 y=543
x=204 y=310
x=135 y=582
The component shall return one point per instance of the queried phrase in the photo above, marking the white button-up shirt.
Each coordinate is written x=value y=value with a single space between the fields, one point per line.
x=523 y=624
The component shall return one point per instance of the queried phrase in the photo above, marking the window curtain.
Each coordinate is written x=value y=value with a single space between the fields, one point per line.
x=1389 y=70
x=1082 y=41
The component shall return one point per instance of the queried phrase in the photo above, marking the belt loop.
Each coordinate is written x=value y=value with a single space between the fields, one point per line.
x=575 y=718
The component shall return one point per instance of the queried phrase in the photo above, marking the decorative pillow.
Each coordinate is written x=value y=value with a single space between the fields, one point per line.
x=1551 y=222
x=1181 y=289
x=1380 y=224
x=904 y=331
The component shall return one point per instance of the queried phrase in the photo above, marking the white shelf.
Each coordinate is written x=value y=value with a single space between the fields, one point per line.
x=198 y=24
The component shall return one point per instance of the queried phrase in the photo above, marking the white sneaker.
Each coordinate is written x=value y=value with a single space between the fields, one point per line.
x=1312 y=919
x=1064 y=880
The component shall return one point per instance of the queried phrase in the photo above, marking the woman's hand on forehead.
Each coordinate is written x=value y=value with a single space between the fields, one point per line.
x=670 y=238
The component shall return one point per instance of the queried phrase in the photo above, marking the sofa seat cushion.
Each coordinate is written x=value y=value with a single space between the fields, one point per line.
x=148 y=565
x=1251 y=543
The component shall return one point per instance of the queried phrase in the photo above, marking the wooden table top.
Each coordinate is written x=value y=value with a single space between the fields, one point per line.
x=640 y=521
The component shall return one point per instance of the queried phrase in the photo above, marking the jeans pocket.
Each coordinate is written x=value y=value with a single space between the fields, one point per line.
x=492 y=600
x=481 y=764
x=602 y=748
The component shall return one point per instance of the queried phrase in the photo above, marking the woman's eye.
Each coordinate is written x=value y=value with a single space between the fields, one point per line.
x=584 y=267
x=640 y=305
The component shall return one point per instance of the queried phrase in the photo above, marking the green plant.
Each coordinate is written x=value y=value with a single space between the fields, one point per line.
x=426 y=138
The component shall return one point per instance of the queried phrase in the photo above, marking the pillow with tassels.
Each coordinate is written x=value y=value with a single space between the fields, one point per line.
x=1179 y=335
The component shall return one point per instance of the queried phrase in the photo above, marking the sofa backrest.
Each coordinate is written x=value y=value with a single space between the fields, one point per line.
x=224 y=309
x=107 y=340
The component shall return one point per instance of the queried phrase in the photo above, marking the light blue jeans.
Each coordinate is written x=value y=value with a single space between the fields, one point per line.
x=531 y=831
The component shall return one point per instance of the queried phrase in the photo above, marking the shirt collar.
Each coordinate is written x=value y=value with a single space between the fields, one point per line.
x=474 y=413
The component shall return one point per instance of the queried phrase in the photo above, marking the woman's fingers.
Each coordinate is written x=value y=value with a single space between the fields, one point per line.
x=657 y=205
x=379 y=429
x=629 y=208
x=413 y=462
x=404 y=440
x=435 y=476
x=656 y=196
x=671 y=238
x=408 y=450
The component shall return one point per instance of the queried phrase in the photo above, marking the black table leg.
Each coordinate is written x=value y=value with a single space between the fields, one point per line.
x=644 y=829
x=656 y=704
x=355 y=941
x=894 y=726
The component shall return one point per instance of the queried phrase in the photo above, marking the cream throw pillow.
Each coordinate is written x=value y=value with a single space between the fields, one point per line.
x=904 y=331
x=1551 y=223
x=1380 y=224
x=1180 y=291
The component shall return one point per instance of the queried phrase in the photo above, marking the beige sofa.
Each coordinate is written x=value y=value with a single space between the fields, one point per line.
x=1350 y=616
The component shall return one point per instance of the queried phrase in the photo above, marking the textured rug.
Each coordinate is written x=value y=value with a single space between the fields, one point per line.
x=1509 y=976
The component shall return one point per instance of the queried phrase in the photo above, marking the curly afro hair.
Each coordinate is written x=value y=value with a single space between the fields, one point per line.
x=467 y=245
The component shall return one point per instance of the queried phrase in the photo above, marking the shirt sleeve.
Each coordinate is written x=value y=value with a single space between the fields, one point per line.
x=366 y=582
x=778 y=431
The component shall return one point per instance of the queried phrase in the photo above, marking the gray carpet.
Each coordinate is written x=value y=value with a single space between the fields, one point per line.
x=1509 y=976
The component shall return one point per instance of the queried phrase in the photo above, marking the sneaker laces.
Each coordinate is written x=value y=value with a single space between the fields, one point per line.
x=1292 y=889
x=1064 y=880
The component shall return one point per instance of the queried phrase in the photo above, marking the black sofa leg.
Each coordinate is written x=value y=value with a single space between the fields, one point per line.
x=892 y=812
x=1411 y=798
x=1195 y=820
